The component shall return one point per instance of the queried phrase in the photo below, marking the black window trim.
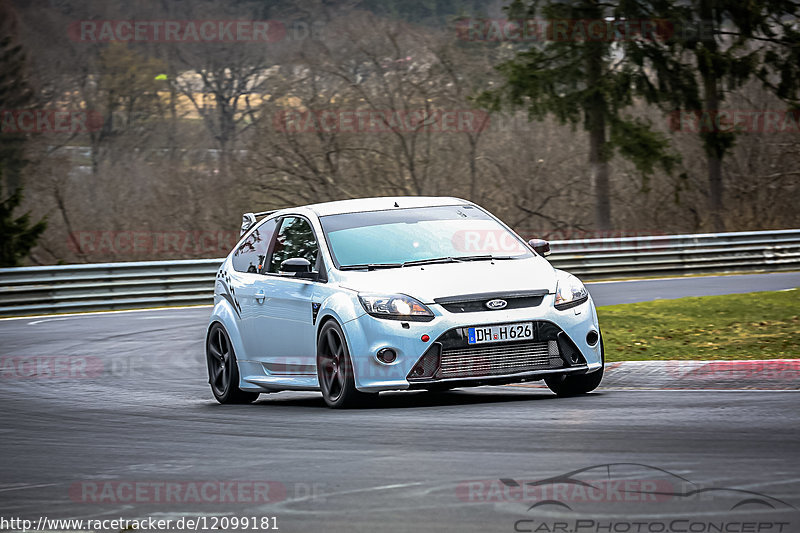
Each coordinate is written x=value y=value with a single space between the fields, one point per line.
x=247 y=235
x=320 y=266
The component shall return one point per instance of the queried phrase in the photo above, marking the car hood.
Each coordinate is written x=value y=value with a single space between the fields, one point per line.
x=428 y=282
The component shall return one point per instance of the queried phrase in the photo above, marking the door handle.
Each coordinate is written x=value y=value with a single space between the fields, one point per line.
x=260 y=296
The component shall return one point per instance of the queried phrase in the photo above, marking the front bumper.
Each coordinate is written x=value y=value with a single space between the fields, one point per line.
x=520 y=377
x=460 y=364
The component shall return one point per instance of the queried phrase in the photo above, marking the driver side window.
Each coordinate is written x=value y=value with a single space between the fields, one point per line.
x=295 y=239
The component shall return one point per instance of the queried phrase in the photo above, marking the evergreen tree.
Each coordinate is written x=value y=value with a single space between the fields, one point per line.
x=17 y=235
x=715 y=47
x=15 y=95
x=580 y=78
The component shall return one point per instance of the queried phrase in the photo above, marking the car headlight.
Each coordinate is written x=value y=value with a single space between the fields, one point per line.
x=395 y=306
x=570 y=292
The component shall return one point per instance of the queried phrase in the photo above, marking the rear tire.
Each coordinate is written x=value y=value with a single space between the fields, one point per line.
x=565 y=385
x=335 y=370
x=223 y=371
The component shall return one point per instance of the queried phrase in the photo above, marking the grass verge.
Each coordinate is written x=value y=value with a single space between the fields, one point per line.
x=758 y=325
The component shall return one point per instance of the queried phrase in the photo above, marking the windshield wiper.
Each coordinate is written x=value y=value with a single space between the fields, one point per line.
x=457 y=259
x=371 y=266
x=432 y=261
x=485 y=257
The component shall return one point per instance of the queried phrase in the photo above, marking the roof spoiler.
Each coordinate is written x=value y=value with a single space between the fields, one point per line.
x=248 y=219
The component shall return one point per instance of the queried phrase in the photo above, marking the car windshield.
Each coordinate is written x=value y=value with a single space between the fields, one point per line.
x=419 y=235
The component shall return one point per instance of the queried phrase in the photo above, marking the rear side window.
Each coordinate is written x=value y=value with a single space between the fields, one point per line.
x=295 y=239
x=250 y=255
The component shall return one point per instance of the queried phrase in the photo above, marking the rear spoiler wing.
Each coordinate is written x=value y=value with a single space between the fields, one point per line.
x=248 y=219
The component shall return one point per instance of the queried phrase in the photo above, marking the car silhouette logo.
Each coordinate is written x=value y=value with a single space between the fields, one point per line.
x=496 y=304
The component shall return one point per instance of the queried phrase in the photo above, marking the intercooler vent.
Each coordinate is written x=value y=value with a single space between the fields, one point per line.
x=500 y=359
x=427 y=365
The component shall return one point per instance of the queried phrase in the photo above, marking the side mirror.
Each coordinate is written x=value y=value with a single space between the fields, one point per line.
x=300 y=267
x=540 y=246
x=297 y=265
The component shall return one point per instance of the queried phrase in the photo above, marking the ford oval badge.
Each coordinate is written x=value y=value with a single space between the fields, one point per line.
x=496 y=304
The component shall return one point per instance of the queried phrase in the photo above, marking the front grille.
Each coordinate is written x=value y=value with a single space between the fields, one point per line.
x=480 y=305
x=499 y=359
x=474 y=303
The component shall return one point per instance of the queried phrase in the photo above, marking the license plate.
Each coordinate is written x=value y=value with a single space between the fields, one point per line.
x=501 y=333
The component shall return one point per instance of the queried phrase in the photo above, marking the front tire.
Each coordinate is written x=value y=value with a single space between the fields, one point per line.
x=335 y=370
x=565 y=386
x=223 y=372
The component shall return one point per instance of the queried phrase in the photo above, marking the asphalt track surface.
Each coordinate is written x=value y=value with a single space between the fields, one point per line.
x=76 y=446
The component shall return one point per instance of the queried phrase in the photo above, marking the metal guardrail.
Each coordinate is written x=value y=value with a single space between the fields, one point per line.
x=679 y=254
x=75 y=288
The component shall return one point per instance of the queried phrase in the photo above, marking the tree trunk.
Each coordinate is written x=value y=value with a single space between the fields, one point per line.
x=712 y=139
x=598 y=156
x=172 y=135
x=598 y=168
x=714 y=153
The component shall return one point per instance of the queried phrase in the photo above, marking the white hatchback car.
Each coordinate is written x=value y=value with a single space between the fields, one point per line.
x=359 y=296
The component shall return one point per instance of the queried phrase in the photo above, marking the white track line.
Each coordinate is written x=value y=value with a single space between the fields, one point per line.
x=599 y=281
x=24 y=487
x=46 y=320
x=93 y=313
x=621 y=389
